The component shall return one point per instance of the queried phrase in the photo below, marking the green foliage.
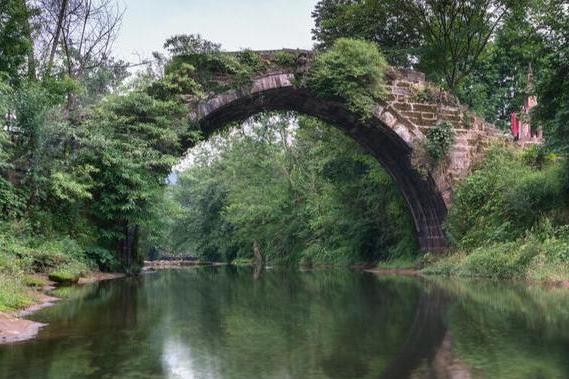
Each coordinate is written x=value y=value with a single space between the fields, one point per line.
x=505 y=197
x=439 y=141
x=135 y=142
x=351 y=70
x=175 y=82
x=285 y=59
x=542 y=254
x=14 y=38
x=13 y=294
x=553 y=110
x=501 y=261
x=22 y=257
x=308 y=195
x=444 y=40
x=197 y=65
x=381 y=22
x=66 y=275
x=187 y=44
x=251 y=60
x=509 y=219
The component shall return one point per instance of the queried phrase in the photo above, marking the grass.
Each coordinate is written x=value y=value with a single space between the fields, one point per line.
x=14 y=294
x=34 y=281
x=526 y=258
x=25 y=263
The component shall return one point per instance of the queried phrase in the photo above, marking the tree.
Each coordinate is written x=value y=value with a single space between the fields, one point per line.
x=131 y=141
x=381 y=22
x=553 y=90
x=498 y=85
x=446 y=39
x=75 y=35
x=292 y=189
x=14 y=38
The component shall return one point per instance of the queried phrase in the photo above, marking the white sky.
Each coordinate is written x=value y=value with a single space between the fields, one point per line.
x=236 y=24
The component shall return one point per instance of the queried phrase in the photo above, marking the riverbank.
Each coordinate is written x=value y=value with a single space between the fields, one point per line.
x=14 y=327
x=528 y=260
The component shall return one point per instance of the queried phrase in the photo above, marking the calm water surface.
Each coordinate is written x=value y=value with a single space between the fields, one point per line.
x=224 y=323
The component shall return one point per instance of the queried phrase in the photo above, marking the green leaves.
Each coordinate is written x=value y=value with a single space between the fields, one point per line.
x=302 y=192
x=127 y=146
x=505 y=198
x=352 y=71
x=14 y=38
x=439 y=141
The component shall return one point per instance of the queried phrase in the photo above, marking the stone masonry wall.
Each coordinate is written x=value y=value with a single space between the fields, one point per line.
x=472 y=134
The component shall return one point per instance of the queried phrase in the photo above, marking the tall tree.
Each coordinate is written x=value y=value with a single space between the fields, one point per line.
x=14 y=37
x=553 y=90
x=446 y=39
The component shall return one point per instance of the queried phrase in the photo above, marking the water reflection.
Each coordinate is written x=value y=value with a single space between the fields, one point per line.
x=225 y=323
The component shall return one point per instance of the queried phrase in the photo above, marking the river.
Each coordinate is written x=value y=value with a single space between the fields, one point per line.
x=226 y=322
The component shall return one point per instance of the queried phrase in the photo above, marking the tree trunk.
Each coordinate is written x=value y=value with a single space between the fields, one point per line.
x=59 y=26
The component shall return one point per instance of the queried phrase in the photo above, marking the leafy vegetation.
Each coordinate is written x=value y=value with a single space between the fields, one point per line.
x=351 y=70
x=306 y=195
x=481 y=50
x=509 y=218
x=439 y=141
x=84 y=155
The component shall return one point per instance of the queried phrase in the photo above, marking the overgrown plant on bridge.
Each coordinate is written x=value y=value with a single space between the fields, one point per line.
x=352 y=71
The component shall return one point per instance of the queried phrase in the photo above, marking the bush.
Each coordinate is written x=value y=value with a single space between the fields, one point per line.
x=500 y=261
x=506 y=197
x=285 y=59
x=352 y=71
x=251 y=60
x=439 y=141
x=64 y=277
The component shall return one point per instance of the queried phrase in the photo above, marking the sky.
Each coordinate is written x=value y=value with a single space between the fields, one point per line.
x=236 y=24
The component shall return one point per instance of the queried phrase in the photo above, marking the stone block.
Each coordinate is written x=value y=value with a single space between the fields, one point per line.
x=418 y=107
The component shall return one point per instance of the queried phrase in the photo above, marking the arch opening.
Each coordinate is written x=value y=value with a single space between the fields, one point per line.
x=391 y=148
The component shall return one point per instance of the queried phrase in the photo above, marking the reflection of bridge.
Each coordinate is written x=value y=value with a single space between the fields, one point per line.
x=428 y=351
x=393 y=135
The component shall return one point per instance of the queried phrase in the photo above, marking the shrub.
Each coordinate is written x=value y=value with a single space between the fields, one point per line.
x=504 y=198
x=64 y=277
x=251 y=60
x=68 y=274
x=439 y=141
x=285 y=59
x=353 y=71
x=501 y=261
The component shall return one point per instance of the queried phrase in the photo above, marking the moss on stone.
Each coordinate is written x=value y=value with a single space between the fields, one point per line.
x=64 y=277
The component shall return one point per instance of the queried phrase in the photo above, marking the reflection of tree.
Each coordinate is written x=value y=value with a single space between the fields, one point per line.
x=510 y=330
x=222 y=322
x=328 y=323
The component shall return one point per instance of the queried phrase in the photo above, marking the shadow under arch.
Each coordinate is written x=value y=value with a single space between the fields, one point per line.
x=387 y=136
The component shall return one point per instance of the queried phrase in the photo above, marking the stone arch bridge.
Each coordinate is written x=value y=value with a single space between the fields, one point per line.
x=393 y=135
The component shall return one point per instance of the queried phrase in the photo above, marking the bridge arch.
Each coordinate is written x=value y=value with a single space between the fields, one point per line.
x=388 y=136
